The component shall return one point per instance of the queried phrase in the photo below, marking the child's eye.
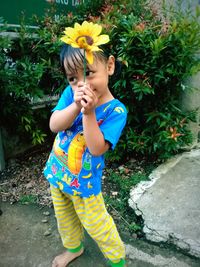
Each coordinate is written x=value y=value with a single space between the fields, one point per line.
x=89 y=72
x=72 y=80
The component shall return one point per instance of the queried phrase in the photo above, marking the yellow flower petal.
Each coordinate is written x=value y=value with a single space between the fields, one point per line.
x=75 y=45
x=89 y=57
x=66 y=40
x=71 y=33
x=92 y=30
x=89 y=31
x=102 y=39
x=86 y=25
x=77 y=26
x=95 y=48
x=84 y=30
x=85 y=36
x=96 y=30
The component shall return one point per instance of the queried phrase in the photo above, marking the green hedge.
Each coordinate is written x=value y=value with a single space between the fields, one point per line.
x=157 y=57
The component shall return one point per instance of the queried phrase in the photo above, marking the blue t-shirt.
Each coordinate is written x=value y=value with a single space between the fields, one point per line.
x=71 y=167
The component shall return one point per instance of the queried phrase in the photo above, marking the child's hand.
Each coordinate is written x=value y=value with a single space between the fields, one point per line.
x=78 y=94
x=89 y=100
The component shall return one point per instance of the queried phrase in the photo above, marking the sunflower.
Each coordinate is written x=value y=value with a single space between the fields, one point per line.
x=86 y=36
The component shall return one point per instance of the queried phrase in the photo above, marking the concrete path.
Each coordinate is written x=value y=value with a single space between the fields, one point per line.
x=26 y=241
x=170 y=203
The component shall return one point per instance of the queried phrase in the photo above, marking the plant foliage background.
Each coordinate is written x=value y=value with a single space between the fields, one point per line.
x=157 y=55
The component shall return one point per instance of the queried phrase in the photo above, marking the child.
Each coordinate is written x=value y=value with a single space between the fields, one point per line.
x=89 y=122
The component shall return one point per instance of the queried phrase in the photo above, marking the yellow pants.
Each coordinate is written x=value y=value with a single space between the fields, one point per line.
x=73 y=213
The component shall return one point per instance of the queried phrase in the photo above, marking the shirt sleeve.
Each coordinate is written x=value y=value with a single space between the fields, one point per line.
x=65 y=100
x=114 y=124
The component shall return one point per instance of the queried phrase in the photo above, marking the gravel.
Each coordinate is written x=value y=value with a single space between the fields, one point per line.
x=23 y=181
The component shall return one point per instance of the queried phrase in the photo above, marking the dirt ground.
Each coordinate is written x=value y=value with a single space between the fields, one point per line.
x=29 y=238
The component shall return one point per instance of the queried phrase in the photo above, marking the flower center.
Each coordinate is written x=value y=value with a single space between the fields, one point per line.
x=84 y=40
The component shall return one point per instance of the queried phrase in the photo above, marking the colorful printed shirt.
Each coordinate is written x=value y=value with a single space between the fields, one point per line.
x=71 y=166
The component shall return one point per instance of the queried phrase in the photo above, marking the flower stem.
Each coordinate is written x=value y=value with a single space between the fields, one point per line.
x=84 y=67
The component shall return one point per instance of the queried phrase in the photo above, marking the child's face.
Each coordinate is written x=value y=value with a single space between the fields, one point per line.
x=97 y=76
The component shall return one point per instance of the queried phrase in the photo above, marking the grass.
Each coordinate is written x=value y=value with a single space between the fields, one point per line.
x=116 y=194
x=28 y=199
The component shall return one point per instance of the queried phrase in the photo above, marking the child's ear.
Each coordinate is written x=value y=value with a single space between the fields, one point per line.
x=111 y=65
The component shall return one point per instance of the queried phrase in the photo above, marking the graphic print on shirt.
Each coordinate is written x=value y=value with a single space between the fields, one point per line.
x=75 y=153
x=87 y=164
x=71 y=166
x=59 y=152
x=71 y=161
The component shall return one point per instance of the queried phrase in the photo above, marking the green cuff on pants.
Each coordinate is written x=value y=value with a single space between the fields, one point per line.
x=75 y=250
x=121 y=263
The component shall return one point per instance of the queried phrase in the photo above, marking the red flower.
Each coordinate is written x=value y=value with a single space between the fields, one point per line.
x=174 y=133
x=70 y=15
x=140 y=26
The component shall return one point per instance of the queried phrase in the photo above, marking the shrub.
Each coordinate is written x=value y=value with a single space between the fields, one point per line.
x=30 y=70
x=19 y=77
x=157 y=57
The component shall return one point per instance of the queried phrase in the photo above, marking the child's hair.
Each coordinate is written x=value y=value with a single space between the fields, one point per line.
x=73 y=58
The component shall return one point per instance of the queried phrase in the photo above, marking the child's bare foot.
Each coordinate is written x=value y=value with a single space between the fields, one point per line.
x=66 y=257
